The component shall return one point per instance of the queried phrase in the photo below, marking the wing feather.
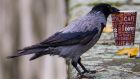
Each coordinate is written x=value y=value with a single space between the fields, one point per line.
x=62 y=39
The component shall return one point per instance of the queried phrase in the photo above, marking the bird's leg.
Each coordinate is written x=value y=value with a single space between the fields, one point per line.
x=82 y=66
x=75 y=66
x=85 y=70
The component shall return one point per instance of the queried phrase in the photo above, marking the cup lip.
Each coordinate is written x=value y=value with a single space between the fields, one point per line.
x=125 y=11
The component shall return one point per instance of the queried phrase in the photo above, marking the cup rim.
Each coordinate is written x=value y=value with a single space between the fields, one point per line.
x=128 y=11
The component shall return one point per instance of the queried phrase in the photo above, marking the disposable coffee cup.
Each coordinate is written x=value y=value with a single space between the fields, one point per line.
x=124 y=24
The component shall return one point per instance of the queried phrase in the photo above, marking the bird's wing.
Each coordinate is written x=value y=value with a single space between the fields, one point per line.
x=63 y=39
x=58 y=39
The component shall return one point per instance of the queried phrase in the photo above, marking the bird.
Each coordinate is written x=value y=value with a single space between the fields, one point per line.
x=73 y=40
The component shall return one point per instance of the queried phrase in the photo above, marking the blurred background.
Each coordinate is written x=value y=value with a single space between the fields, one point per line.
x=27 y=22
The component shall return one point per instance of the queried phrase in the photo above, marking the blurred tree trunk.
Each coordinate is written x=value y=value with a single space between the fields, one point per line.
x=26 y=37
x=26 y=22
x=55 y=68
x=9 y=38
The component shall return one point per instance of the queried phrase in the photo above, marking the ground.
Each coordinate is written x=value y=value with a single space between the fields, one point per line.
x=103 y=58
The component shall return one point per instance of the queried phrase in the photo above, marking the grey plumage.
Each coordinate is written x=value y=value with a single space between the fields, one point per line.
x=73 y=40
x=77 y=34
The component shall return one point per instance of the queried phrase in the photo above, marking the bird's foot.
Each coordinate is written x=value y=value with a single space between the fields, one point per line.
x=90 y=71
x=85 y=76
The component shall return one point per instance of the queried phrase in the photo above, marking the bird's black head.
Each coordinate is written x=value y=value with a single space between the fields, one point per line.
x=105 y=8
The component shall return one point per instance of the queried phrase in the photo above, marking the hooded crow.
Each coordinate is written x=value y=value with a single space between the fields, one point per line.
x=75 y=39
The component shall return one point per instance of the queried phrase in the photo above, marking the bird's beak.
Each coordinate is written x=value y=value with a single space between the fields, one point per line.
x=114 y=10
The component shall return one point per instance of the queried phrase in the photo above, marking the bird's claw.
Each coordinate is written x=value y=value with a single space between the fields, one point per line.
x=89 y=71
x=82 y=76
x=85 y=76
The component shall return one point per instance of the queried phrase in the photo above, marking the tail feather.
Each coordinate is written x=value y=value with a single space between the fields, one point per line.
x=37 y=46
x=38 y=50
x=39 y=54
x=20 y=53
x=36 y=56
x=26 y=52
